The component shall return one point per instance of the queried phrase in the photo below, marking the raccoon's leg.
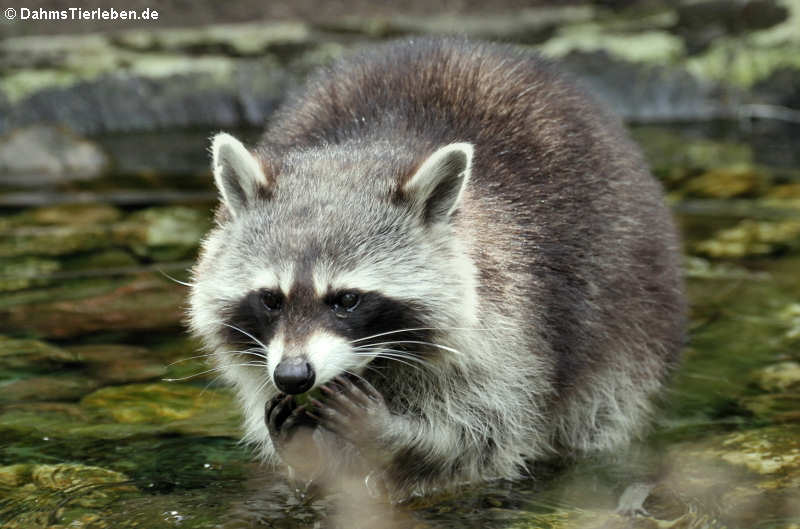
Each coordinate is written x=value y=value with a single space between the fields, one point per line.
x=357 y=413
x=400 y=454
x=291 y=431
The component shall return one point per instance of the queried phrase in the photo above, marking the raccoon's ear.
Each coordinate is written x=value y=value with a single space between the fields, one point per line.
x=437 y=186
x=239 y=176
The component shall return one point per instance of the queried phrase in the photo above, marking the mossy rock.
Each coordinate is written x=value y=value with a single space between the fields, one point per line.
x=752 y=238
x=163 y=233
x=20 y=353
x=728 y=182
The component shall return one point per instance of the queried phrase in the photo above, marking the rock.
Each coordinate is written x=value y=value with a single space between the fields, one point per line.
x=235 y=74
x=769 y=450
x=699 y=23
x=651 y=47
x=752 y=238
x=127 y=411
x=776 y=408
x=166 y=233
x=43 y=155
x=699 y=268
x=67 y=476
x=119 y=364
x=57 y=496
x=72 y=215
x=780 y=377
x=662 y=93
x=61 y=214
x=530 y=25
x=785 y=191
x=674 y=160
x=25 y=272
x=751 y=59
x=144 y=303
x=728 y=182
x=148 y=91
x=741 y=474
x=160 y=233
x=178 y=407
x=780 y=87
x=790 y=316
x=53 y=240
x=33 y=355
x=64 y=290
x=58 y=387
x=103 y=261
x=229 y=39
x=151 y=403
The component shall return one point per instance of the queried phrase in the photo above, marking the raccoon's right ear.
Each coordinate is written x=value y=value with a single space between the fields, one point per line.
x=438 y=185
x=238 y=174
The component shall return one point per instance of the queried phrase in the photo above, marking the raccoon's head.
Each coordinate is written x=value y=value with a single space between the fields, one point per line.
x=324 y=260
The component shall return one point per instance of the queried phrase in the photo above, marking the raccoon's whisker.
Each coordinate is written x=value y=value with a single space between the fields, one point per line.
x=214 y=369
x=359 y=377
x=263 y=385
x=210 y=382
x=404 y=359
x=395 y=353
x=417 y=342
x=428 y=329
x=235 y=328
x=189 y=377
x=163 y=273
x=246 y=351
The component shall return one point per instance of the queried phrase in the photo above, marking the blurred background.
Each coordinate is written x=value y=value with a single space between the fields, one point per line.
x=109 y=416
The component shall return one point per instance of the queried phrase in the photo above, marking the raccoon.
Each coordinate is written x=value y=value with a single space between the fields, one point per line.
x=460 y=250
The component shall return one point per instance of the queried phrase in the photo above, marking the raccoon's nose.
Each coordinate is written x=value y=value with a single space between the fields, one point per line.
x=294 y=375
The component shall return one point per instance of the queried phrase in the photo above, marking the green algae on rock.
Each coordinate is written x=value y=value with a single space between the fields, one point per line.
x=752 y=238
x=141 y=303
x=42 y=388
x=779 y=377
x=154 y=403
x=728 y=182
x=33 y=355
x=163 y=233
x=174 y=407
x=20 y=273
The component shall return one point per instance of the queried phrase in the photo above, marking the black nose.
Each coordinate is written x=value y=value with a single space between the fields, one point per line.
x=294 y=375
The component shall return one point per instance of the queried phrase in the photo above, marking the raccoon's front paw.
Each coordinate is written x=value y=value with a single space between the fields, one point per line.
x=284 y=419
x=357 y=413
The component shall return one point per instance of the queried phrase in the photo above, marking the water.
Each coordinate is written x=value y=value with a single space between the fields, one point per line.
x=94 y=435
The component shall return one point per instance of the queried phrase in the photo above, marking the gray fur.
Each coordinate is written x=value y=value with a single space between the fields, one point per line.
x=552 y=278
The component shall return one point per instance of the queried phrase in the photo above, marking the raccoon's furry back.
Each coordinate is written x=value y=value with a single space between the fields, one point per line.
x=577 y=312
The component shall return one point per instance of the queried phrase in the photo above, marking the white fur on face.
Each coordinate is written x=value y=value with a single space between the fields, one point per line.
x=273 y=279
x=331 y=356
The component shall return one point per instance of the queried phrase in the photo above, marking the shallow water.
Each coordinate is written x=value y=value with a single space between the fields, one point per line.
x=94 y=434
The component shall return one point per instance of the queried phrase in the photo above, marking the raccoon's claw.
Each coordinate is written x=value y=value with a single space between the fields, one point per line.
x=354 y=411
x=283 y=417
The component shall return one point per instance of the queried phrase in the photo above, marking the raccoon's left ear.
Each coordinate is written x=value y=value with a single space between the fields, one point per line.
x=438 y=185
x=238 y=174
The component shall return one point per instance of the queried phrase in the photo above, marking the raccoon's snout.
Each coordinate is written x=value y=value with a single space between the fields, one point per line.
x=294 y=375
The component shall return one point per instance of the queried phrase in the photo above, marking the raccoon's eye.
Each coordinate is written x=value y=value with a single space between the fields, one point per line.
x=346 y=301
x=271 y=300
